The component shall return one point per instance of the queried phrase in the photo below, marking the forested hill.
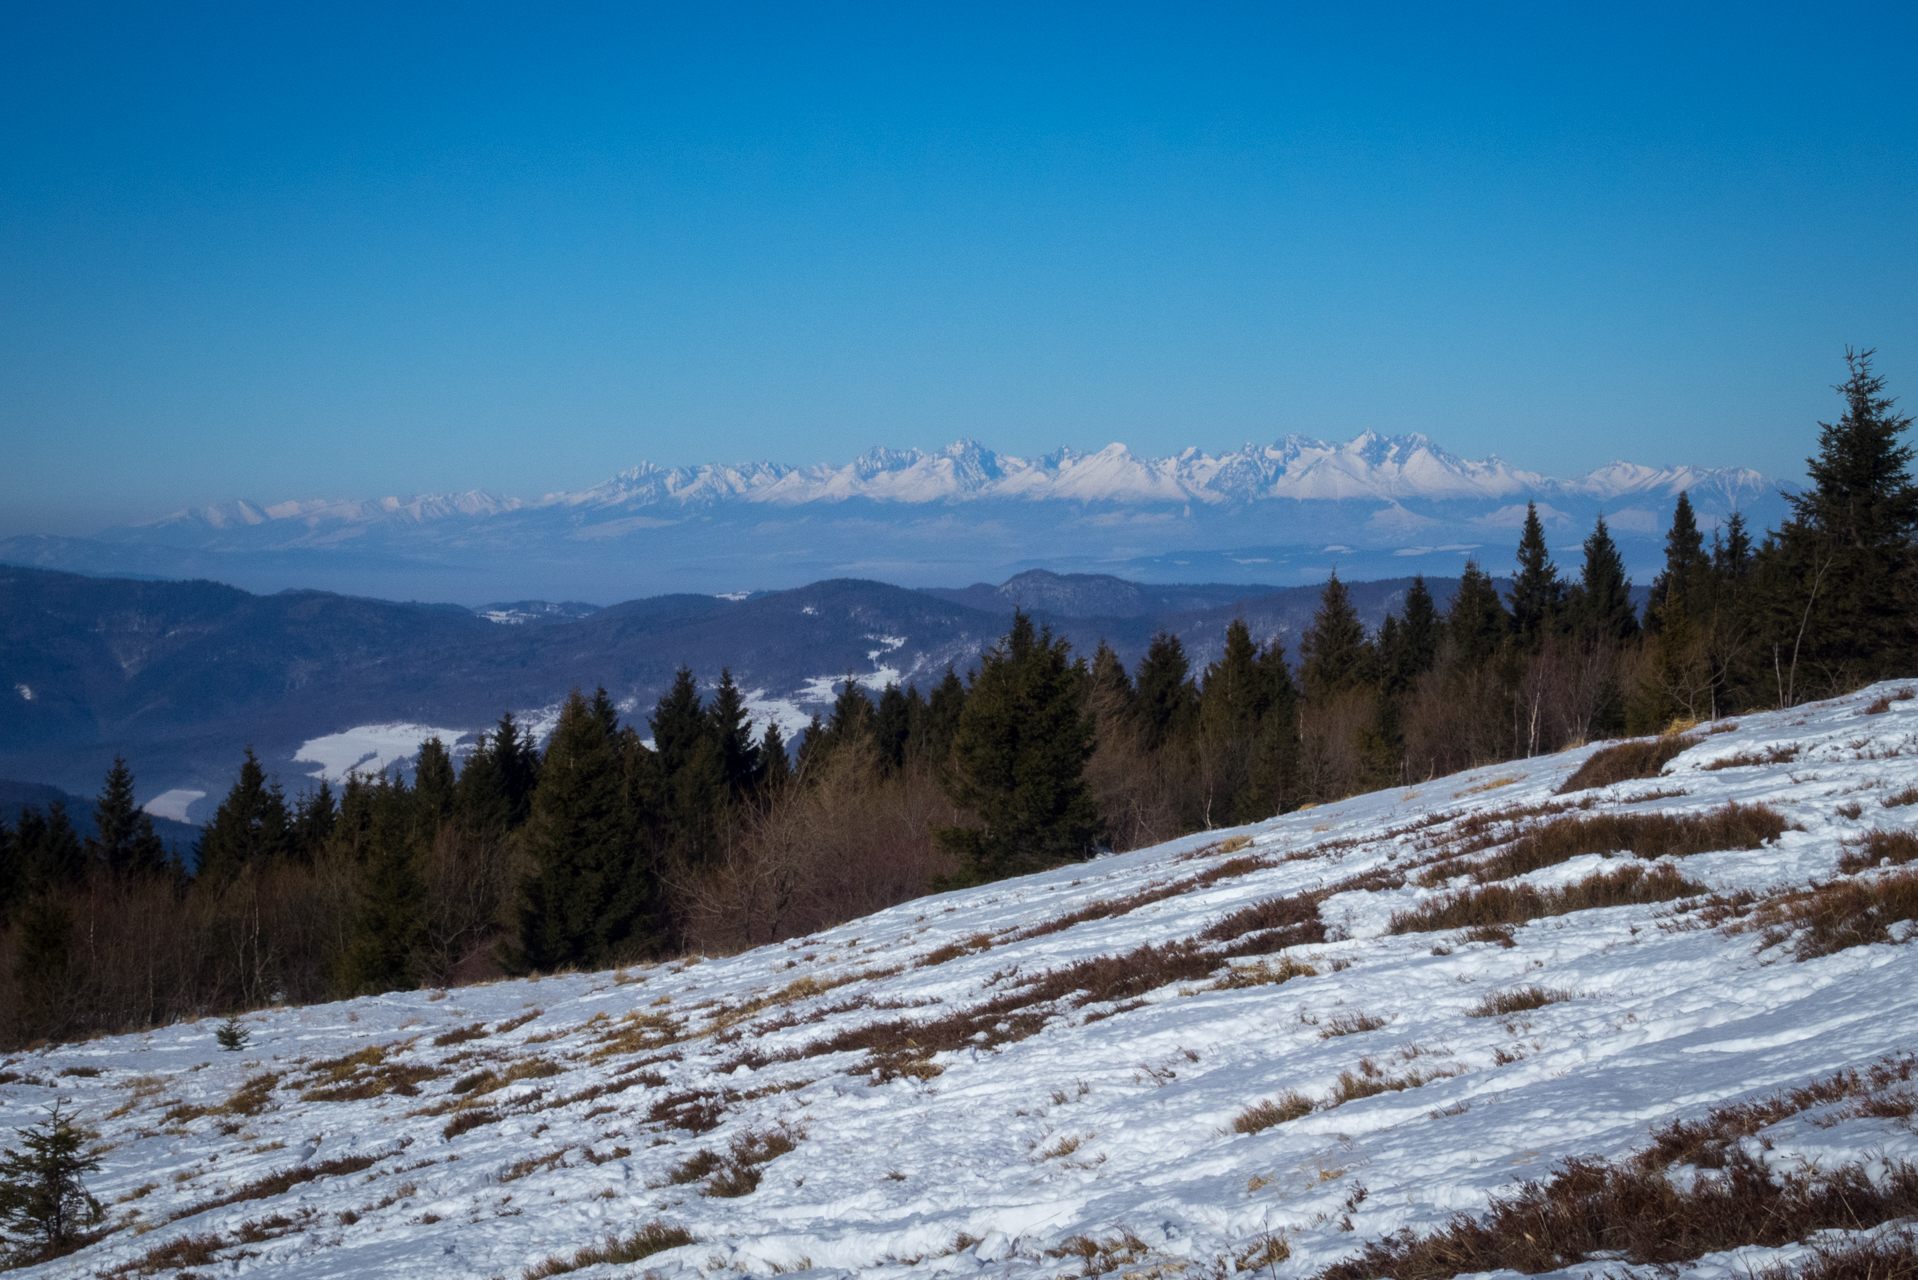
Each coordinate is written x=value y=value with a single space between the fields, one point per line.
x=181 y=676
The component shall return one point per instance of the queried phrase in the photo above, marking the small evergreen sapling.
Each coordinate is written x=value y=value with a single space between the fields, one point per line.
x=44 y=1203
x=232 y=1035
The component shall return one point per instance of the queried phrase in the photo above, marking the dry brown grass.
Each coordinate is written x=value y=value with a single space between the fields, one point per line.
x=1640 y=758
x=1370 y=1079
x=1900 y=798
x=1745 y=759
x=1350 y=1023
x=1267 y=1112
x=1502 y=1004
x=1105 y=909
x=279 y=1184
x=737 y=1172
x=1631 y=1211
x=654 y=1237
x=1499 y=904
x=1877 y=847
x=1646 y=835
x=1830 y=918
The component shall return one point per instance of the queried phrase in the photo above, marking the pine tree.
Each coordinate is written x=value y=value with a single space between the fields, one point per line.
x=892 y=727
x=495 y=791
x=943 y=709
x=1733 y=559
x=1272 y=775
x=732 y=735
x=692 y=780
x=314 y=817
x=1537 y=591
x=50 y=854
x=592 y=896
x=434 y=787
x=1334 y=656
x=1677 y=589
x=1164 y=698
x=1233 y=701
x=1604 y=608
x=389 y=930
x=1843 y=573
x=1476 y=622
x=44 y=1204
x=126 y=844
x=1018 y=761
x=250 y=826
x=775 y=766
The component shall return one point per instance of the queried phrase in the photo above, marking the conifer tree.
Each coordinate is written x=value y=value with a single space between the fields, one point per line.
x=892 y=726
x=314 y=817
x=1604 y=592
x=383 y=953
x=126 y=844
x=1018 y=761
x=592 y=897
x=1733 y=559
x=249 y=826
x=1843 y=574
x=1537 y=591
x=496 y=784
x=50 y=854
x=1164 y=698
x=1272 y=776
x=1679 y=587
x=692 y=781
x=1111 y=691
x=1334 y=656
x=775 y=766
x=44 y=1203
x=732 y=734
x=1233 y=701
x=943 y=708
x=434 y=787
x=1476 y=622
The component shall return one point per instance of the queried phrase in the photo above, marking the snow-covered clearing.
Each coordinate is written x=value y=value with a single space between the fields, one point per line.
x=572 y=1102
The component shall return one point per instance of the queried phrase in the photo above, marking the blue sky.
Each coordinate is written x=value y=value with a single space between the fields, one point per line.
x=364 y=250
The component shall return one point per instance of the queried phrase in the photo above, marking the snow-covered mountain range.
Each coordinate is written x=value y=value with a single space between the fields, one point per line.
x=1247 y=1052
x=920 y=518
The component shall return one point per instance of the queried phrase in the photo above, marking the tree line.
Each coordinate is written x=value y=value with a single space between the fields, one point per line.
x=606 y=847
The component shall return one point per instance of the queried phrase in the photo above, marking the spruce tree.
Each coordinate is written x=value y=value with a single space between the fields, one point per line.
x=1679 y=588
x=592 y=896
x=692 y=780
x=495 y=791
x=250 y=826
x=44 y=1203
x=1233 y=701
x=775 y=766
x=1537 y=591
x=1018 y=761
x=1164 y=699
x=892 y=726
x=314 y=817
x=1604 y=592
x=1111 y=691
x=434 y=787
x=1843 y=573
x=943 y=708
x=1334 y=656
x=1476 y=622
x=383 y=953
x=1272 y=775
x=732 y=734
x=125 y=844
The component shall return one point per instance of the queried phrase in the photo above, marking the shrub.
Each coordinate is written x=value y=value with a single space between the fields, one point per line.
x=1643 y=758
x=1500 y=1004
x=1896 y=847
x=1500 y=904
x=1647 y=835
x=1633 y=1212
x=1743 y=759
x=44 y=1203
x=654 y=1237
x=1267 y=1112
x=232 y=1035
x=1845 y=913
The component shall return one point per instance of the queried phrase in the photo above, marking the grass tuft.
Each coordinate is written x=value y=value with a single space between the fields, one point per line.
x=654 y=1237
x=1500 y=1004
x=1499 y=904
x=1266 y=1112
x=1641 y=758
x=1879 y=846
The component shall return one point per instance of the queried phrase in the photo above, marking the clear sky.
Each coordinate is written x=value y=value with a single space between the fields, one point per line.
x=360 y=250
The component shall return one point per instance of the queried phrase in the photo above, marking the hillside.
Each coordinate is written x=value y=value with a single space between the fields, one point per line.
x=1064 y=1073
x=179 y=677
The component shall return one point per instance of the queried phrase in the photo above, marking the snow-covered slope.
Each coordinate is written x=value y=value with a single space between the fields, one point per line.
x=480 y=1132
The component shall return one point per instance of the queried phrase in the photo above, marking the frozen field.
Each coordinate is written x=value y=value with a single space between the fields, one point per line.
x=480 y=1132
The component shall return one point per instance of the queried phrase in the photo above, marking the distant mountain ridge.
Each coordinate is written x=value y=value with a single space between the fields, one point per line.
x=1375 y=506
x=181 y=676
x=1384 y=468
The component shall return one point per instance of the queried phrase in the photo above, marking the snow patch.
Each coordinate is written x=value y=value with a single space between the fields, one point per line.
x=173 y=805
x=373 y=748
